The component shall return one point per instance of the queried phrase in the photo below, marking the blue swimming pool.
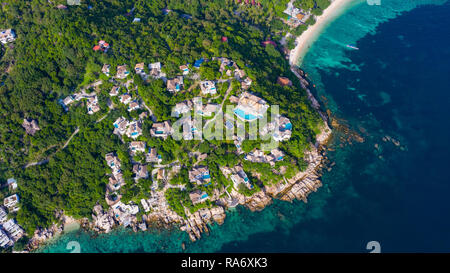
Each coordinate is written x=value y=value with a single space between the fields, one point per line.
x=242 y=115
x=198 y=63
x=288 y=126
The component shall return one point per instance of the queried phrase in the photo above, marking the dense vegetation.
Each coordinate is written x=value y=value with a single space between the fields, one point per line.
x=53 y=56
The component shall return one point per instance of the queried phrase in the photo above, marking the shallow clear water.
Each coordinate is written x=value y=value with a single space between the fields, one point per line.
x=396 y=84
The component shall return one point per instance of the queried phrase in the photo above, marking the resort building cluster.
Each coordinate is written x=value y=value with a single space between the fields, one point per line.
x=132 y=129
x=92 y=103
x=296 y=16
x=186 y=106
x=249 y=108
x=116 y=180
x=146 y=161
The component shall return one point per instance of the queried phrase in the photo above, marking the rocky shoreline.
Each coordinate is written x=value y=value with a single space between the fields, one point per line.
x=297 y=187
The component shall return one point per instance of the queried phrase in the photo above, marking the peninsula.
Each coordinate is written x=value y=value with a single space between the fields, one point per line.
x=94 y=117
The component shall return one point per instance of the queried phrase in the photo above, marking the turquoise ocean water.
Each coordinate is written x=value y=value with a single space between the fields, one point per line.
x=395 y=85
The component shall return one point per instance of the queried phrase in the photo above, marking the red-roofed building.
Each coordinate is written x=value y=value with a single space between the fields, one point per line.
x=102 y=45
x=269 y=42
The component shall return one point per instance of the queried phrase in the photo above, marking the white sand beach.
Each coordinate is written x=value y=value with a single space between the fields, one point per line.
x=71 y=224
x=308 y=37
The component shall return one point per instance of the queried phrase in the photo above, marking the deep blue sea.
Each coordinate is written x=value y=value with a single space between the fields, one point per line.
x=396 y=86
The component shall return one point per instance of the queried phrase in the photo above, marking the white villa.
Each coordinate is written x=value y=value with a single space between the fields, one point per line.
x=245 y=84
x=105 y=69
x=134 y=129
x=125 y=214
x=184 y=69
x=199 y=175
x=122 y=72
x=14 y=231
x=162 y=129
x=3 y=215
x=134 y=105
x=4 y=239
x=188 y=128
x=155 y=70
x=113 y=162
x=7 y=36
x=12 y=203
x=296 y=15
x=280 y=128
x=121 y=125
x=114 y=91
x=136 y=147
x=125 y=98
x=174 y=85
x=237 y=175
x=153 y=156
x=92 y=105
x=260 y=157
x=208 y=109
x=145 y=205
x=182 y=107
x=140 y=171
x=208 y=87
x=250 y=107
x=198 y=196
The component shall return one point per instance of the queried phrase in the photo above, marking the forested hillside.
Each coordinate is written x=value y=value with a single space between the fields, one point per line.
x=52 y=57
